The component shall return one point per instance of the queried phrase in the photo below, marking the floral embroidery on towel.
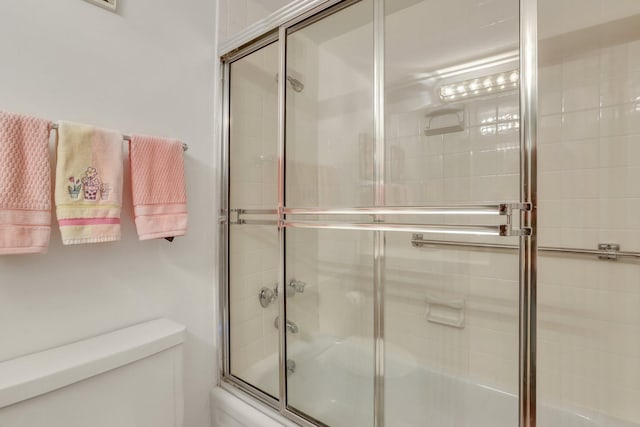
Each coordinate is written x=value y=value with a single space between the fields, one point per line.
x=104 y=191
x=91 y=183
x=94 y=188
x=74 y=188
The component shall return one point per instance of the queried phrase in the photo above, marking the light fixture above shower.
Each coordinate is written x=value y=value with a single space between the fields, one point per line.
x=481 y=86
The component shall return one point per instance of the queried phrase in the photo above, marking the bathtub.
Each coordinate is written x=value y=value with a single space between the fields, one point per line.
x=332 y=382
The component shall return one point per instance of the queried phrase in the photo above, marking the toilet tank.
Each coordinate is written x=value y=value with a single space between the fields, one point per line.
x=131 y=377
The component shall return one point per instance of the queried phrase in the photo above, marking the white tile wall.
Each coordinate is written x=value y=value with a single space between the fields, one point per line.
x=588 y=162
x=589 y=320
x=477 y=164
x=588 y=194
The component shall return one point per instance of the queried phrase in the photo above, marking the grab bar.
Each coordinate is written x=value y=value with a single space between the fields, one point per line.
x=605 y=251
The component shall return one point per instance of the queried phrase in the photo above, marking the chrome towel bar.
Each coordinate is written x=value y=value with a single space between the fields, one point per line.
x=459 y=209
x=505 y=208
x=477 y=230
x=282 y=218
x=54 y=126
x=482 y=230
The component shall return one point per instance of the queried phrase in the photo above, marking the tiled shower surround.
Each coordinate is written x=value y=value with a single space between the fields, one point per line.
x=589 y=170
x=589 y=193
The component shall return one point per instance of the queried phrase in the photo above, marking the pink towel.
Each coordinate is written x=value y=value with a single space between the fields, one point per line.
x=25 y=185
x=158 y=187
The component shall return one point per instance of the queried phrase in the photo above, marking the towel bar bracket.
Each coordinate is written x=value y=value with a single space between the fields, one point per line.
x=610 y=251
x=508 y=231
x=520 y=206
x=234 y=216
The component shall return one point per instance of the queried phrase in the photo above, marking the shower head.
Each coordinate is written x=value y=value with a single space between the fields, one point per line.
x=296 y=84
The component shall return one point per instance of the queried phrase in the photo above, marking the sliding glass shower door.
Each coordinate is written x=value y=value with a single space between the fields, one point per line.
x=329 y=164
x=253 y=249
x=378 y=258
x=452 y=110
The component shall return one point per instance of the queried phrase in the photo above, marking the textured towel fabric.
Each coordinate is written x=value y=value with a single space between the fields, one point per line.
x=88 y=189
x=25 y=185
x=158 y=187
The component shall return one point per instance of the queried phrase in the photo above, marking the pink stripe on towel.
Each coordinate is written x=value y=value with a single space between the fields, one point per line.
x=158 y=187
x=25 y=184
x=88 y=221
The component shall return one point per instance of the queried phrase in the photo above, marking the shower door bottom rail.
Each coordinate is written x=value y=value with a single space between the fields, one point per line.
x=605 y=251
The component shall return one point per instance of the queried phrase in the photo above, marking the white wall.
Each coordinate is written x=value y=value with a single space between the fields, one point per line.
x=237 y=15
x=148 y=68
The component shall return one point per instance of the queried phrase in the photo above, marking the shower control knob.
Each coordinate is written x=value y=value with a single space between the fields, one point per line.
x=267 y=296
x=295 y=287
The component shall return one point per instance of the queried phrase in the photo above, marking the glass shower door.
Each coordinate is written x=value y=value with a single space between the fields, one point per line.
x=377 y=263
x=452 y=137
x=329 y=163
x=402 y=265
x=253 y=246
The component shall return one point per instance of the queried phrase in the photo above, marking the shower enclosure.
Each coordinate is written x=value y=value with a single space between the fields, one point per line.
x=379 y=235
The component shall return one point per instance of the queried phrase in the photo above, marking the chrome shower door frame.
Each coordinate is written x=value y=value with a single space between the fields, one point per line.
x=241 y=389
x=274 y=29
x=527 y=392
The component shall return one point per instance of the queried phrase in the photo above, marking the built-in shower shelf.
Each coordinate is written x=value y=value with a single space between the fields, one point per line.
x=445 y=311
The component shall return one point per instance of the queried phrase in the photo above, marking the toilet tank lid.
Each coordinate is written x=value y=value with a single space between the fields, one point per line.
x=35 y=374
